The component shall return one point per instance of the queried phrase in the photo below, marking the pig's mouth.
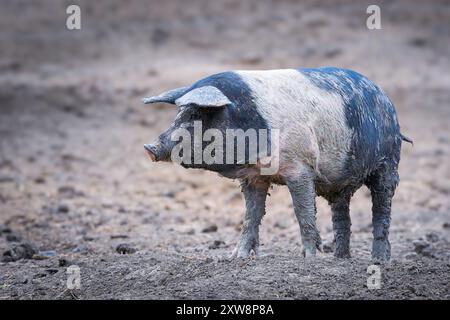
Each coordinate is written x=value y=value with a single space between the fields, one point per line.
x=152 y=152
x=158 y=152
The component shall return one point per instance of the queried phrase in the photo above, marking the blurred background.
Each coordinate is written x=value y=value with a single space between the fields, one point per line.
x=77 y=188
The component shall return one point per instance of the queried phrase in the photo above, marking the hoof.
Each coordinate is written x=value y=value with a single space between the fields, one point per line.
x=308 y=253
x=240 y=253
x=381 y=251
x=244 y=248
x=342 y=255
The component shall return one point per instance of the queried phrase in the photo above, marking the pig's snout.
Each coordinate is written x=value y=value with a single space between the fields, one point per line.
x=152 y=151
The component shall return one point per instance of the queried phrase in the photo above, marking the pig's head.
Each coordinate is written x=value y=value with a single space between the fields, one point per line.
x=206 y=105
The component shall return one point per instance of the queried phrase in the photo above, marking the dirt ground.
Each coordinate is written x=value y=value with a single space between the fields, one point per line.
x=77 y=189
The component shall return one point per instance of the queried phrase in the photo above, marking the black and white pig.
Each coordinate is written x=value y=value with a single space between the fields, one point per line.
x=337 y=132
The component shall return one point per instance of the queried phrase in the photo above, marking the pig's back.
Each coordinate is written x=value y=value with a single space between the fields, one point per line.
x=334 y=119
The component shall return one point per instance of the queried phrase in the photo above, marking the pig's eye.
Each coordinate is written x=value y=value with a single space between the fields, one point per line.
x=194 y=115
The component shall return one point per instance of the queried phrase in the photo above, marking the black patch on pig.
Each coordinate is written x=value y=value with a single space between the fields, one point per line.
x=371 y=116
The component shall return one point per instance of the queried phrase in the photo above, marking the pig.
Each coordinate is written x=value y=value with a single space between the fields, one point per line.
x=337 y=131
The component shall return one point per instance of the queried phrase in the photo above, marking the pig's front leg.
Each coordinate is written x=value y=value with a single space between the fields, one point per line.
x=255 y=193
x=302 y=189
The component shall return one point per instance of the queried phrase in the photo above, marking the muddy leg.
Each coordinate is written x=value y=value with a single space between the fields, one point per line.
x=255 y=194
x=341 y=226
x=382 y=185
x=303 y=195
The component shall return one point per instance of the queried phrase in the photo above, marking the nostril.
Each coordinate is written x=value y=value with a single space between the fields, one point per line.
x=151 y=151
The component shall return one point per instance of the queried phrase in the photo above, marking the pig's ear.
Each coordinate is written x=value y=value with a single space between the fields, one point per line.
x=167 y=97
x=204 y=97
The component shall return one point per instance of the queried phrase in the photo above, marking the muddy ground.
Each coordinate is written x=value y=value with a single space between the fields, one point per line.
x=77 y=189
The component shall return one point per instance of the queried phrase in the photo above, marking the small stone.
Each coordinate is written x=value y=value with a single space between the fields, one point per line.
x=216 y=244
x=24 y=250
x=81 y=249
x=118 y=236
x=432 y=237
x=211 y=228
x=6 y=178
x=39 y=180
x=418 y=42
x=160 y=36
x=446 y=225
x=43 y=255
x=411 y=256
x=39 y=257
x=69 y=192
x=91 y=212
x=51 y=271
x=125 y=248
x=62 y=262
x=48 y=253
x=62 y=208
x=12 y=237
x=170 y=194
x=179 y=219
x=420 y=245
x=5 y=230
x=88 y=238
x=424 y=248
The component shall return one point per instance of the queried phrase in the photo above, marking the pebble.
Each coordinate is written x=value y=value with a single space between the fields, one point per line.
x=12 y=237
x=424 y=248
x=420 y=245
x=118 y=236
x=6 y=178
x=81 y=249
x=216 y=244
x=62 y=208
x=48 y=253
x=125 y=248
x=211 y=228
x=4 y=229
x=411 y=256
x=432 y=237
x=39 y=180
x=170 y=194
x=63 y=262
x=24 y=250
x=43 y=255
x=51 y=271
x=69 y=192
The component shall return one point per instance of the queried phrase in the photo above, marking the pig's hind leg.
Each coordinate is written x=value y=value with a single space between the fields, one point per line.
x=340 y=208
x=382 y=184
x=255 y=193
x=302 y=189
